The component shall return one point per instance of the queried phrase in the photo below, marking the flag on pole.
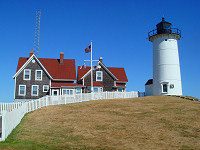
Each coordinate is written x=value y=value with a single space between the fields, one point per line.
x=88 y=49
x=83 y=67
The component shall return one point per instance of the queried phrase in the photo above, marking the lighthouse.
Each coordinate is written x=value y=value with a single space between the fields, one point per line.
x=166 y=65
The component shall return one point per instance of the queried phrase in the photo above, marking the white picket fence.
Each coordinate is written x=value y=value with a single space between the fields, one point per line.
x=12 y=113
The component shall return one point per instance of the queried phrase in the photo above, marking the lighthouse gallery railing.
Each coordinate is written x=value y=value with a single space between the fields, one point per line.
x=170 y=31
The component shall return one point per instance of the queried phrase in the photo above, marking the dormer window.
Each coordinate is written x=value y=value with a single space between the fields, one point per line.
x=99 y=76
x=27 y=74
x=38 y=75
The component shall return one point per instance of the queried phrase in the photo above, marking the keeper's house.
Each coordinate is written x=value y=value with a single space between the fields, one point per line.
x=38 y=77
x=104 y=78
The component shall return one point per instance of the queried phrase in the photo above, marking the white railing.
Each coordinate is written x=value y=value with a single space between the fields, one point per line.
x=12 y=113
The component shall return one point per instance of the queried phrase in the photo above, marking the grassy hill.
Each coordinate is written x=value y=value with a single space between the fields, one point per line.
x=155 y=122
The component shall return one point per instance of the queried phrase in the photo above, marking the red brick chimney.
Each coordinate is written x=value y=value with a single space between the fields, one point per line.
x=30 y=53
x=61 y=57
x=101 y=59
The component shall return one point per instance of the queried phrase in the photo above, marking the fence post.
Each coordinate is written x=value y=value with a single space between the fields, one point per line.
x=3 y=126
x=65 y=99
x=47 y=100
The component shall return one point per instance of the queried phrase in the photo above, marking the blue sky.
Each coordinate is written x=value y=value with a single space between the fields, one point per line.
x=118 y=28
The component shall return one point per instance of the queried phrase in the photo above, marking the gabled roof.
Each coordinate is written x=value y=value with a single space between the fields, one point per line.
x=82 y=72
x=58 y=84
x=118 y=73
x=150 y=81
x=119 y=85
x=57 y=71
x=95 y=84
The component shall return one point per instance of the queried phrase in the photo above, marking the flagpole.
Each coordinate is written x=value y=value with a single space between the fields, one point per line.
x=91 y=71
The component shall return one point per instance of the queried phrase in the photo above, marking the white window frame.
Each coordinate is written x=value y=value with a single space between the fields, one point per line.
x=101 y=75
x=36 y=75
x=58 y=92
x=100 y=89
x=88 y=89
x=96 y=88
x=29 y=74
x=24 y=90
x=78 y=88
x=37 y=90
x=47 y=88
x=69 y=92
x=120 y=88
x=162 y=84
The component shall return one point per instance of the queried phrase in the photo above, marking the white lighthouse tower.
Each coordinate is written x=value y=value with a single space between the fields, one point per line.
x=166 y=66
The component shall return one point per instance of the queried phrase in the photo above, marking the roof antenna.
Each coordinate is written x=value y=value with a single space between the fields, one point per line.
x=37 y=34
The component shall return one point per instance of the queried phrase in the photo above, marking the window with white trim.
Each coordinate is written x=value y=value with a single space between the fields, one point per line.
x=38 y=75
x=22 y=90
x=45 y=88
x=164 y=87
x=27 y=74
x=67 y=91
x=89 y=89
x=95 y=89
x=99 y=76
x=78 y=90
x=120 y=89
x=35 y=90
x=100 y=89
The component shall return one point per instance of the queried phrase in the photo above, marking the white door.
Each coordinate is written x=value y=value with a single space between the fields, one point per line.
x=55 y=92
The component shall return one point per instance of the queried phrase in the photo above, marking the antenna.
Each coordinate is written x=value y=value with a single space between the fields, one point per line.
x=37 y=34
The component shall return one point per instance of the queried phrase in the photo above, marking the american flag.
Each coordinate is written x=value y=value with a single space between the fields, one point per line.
x=88 y=49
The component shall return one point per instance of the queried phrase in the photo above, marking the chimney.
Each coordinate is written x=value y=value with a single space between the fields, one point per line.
x=101 y=59
x=61 y=57
x=30 y=53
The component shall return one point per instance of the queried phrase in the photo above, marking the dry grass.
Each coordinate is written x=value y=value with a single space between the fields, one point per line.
x=157 y=122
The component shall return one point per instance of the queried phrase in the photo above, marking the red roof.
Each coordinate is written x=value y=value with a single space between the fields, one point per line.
x=119 y=73
x=57 y=84
x=82 y=72
x=119 y=85
x=95 y=84
x=66 y=70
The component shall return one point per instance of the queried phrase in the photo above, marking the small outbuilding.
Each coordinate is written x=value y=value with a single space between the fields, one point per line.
x=149 y=87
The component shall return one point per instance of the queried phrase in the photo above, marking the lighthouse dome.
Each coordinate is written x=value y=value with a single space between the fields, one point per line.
x=163 y=27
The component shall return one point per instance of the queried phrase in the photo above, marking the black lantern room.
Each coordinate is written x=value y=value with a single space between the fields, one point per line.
x=164 y=27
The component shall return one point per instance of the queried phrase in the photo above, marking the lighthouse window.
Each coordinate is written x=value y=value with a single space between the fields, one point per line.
x=165 y=39
x=164 y=88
